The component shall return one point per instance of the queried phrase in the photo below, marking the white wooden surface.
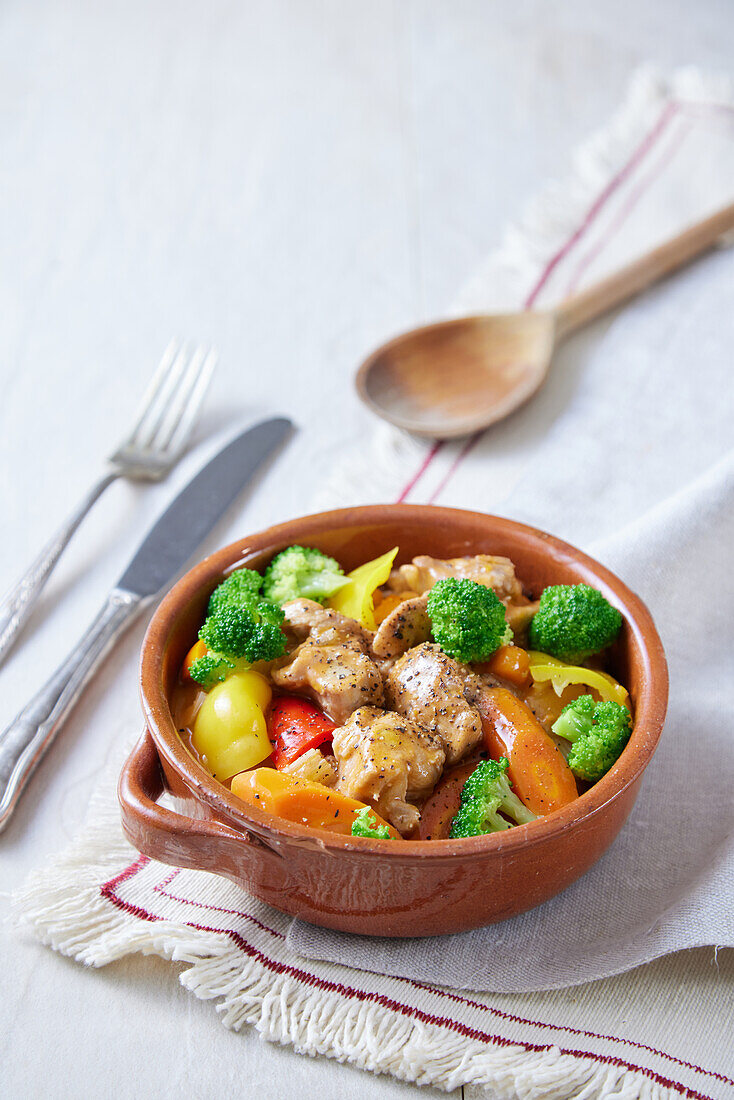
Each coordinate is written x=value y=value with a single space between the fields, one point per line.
x=293 y=179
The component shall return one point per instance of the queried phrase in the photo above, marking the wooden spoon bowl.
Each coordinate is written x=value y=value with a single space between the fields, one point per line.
x=458 y=377
x=455 y=377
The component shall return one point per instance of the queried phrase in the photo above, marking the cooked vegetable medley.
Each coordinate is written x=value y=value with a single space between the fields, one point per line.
x=431 y=700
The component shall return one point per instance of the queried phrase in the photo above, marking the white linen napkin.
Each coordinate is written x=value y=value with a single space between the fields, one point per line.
x=627 y=451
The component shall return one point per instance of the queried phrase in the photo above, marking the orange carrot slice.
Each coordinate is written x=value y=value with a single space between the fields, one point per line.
x=509 y=662
x=538 y=771
x=443 y=805
x=301 y=800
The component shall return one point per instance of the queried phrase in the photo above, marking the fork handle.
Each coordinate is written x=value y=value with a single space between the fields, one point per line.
x=21 y=599
x=29 y=735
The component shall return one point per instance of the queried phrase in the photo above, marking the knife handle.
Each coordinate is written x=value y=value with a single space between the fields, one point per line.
x=30 y=734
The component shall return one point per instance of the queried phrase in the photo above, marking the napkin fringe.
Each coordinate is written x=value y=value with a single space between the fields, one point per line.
x=373 y=1038
x=65 y=908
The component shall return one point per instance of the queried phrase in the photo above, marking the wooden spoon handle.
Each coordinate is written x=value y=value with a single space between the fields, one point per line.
x=617 y=288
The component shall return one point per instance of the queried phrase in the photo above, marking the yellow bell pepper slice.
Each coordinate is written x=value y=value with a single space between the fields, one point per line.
x=230 y=732
x=562 y=675
x=356 y=599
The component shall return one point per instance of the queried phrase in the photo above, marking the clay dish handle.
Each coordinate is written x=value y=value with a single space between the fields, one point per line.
x=168 y=836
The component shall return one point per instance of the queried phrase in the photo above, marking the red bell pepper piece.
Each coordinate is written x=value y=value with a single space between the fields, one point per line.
x=294 y=727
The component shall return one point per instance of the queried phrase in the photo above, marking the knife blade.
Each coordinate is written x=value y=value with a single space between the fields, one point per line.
x=173 y=539
x=170 y=543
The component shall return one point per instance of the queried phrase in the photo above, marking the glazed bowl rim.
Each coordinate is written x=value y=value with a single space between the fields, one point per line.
x=650 y=705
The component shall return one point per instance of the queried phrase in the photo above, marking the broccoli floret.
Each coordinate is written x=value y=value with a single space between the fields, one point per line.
x=365 y=824
x=575 y=718
x=468 y=619
x=241 y=624
x=250 y=629
x=598 y=732
x=213 y=668
x=573 y=621
x=302 y=571
x=237 y=587
x=210 y=669
x=486 y=791
x=241 y=627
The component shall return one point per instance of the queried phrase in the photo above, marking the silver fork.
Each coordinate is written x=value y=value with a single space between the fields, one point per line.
x=160 y=433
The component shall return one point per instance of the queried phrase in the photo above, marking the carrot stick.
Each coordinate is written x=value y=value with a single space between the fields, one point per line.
x=301 y=800
x=538 y=771
x=443 y=805
x=510 y=662
x=388 y=604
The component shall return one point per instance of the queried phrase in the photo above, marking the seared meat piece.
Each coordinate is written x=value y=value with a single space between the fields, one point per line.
x=339 y=675
x=333 y=664
x=306 y=618
x=427 y=686
x=387 y=761
x=407 y=626
x=423 y=572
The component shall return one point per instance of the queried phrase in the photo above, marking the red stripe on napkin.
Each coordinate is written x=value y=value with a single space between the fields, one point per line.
x=109 y=890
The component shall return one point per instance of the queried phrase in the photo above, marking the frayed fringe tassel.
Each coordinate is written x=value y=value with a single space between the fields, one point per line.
x=378 y=469
x=64 y=908
x=372 y=1038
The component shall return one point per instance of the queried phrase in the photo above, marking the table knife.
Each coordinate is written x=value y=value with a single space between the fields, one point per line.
x=170 y=544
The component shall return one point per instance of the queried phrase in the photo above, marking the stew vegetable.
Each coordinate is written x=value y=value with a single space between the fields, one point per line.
x=432 y=700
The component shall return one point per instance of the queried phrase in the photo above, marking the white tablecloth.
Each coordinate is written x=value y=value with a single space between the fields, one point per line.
x=294 y=181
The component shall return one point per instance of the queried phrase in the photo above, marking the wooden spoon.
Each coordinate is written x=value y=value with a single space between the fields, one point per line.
x=456 y=377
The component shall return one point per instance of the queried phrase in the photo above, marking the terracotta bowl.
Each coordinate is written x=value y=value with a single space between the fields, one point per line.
x=404 y=888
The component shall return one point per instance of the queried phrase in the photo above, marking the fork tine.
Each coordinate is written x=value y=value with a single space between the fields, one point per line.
x=178 y=399
x=149 y=424
x=151 y=391
x=189 y=394
x=179 y=435
x=166 y=416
